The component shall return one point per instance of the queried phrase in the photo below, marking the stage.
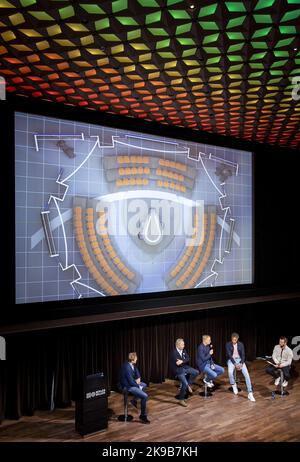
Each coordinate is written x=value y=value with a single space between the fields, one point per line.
x=223 y=417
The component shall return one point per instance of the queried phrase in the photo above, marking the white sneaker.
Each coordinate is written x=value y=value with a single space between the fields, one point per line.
x=235 y=389
x=285 y=383
x=251 y=397
x=209 y=384
x=277 y=381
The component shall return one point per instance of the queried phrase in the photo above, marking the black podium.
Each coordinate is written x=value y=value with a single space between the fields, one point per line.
x=91 y=405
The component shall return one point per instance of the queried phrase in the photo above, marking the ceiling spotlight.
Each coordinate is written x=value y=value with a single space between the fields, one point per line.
x=192 y=6
x=295 y=49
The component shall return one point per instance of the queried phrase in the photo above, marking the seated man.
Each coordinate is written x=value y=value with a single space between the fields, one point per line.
x=130 y=378
x=235 y=353
x=205 y=361
x=179 y=365
x=282 y=358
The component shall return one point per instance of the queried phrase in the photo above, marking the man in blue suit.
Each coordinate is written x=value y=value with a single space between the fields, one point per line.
x=205 y=361
x=130 y=378
x=179 y=365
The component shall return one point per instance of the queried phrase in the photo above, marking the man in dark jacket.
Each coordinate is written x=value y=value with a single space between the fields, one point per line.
x=179 y=365
x=235 y=353
x=130 y=378
x=205 y=361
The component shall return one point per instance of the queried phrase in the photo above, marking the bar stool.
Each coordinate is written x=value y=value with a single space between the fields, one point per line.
x=125 y=417
x=207 y=391
x=282 y=391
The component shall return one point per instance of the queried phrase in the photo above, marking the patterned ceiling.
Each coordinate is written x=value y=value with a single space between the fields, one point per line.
x=221 y=66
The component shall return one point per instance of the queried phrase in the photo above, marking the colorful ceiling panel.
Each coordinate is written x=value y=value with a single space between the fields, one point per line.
x=226 y=67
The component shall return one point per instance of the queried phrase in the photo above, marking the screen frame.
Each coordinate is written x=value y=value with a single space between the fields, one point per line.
x=109 y=304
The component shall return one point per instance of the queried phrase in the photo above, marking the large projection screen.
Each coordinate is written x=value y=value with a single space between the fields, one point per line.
x=102 y=211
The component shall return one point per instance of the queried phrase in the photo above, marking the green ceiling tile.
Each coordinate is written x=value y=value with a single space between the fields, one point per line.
x=186 y=41
x=173 y=2
x=281 y=54
x=276 y=72
x=166 y=54
x=189 y=52
x=211 y=50
x=148 y=3
x=261 y=4
x=214 y=60
x=153 y=17
x=66 y=12
x=214 y=70
x=290 y=15
x=92 y=8
x=101 y=23
x=127 y=21
x=284 y=43
x=183 y=28
x=209 y=25
x=235 y=35
x=179 y=14
x=110 y=37
x=134 y=34
x=157 y=31
x=211 y=38
x=254 y=82
x=119 y=5
x=288 y=29
x=235 y=58
x=236 y=67
x=255 y=74
x=256 y=65
x=235 y=7
x=263 y=18
x=280 y=63
x=260 y=45
x=261 y=32
x=258 y=56
x=235 y=47
x=235 y=22
x=41 y=15
x=162 y=44
x=27 y=2
x=207 y=10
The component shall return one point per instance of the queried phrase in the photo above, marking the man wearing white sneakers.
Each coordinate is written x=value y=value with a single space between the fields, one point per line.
x=235 y=352
x=282 y=358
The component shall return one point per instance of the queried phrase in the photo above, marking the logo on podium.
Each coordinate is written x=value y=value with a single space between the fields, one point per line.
x=2 y=348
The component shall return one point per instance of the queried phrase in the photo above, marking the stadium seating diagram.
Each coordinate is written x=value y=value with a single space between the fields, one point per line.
x=111 y=212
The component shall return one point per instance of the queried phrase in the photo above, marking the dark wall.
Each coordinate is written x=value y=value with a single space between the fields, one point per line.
x=69 y=354
x=276 y=184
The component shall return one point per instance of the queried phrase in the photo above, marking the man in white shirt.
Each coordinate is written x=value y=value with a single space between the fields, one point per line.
x=282 y=358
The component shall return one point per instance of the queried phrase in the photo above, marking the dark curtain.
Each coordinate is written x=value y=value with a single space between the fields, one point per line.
x=62 y=357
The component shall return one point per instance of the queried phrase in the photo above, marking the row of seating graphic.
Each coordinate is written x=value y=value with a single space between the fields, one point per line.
x=132 y=160
x=126 y=160
x=121 y=182
x=102 y=259
x=188 y=269
x=163 y=173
